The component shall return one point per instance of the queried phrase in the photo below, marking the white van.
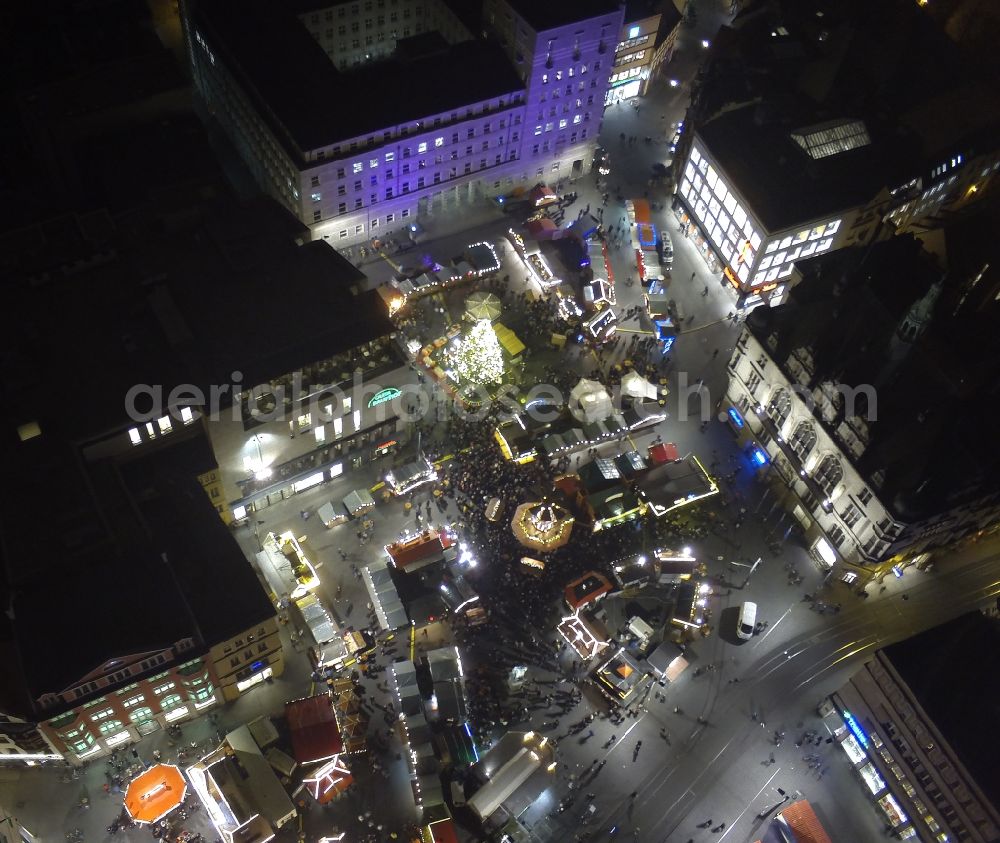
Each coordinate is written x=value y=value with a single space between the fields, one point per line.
x=747 y=620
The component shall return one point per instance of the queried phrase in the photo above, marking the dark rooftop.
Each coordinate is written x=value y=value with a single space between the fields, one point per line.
x=953 y=670
x=554 y=13
x=125 y=540
x=150 y=311
x=846 y=311
x=795 y=63
x=315 y=104
x=783 y=185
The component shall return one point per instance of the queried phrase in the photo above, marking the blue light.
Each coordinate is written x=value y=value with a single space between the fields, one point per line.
x=646 y=241
x=758 y=456
x=856 y=730
x=735 y=417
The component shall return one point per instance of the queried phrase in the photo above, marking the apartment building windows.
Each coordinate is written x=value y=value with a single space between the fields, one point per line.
x=850 y=516
x=779 y=407
x=829 y=474
x=837 y=535
x=803 y=439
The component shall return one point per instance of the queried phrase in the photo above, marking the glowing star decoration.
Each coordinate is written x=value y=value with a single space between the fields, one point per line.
x=477 y=356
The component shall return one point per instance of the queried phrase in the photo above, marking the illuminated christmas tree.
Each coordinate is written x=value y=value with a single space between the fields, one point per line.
x=477 y=356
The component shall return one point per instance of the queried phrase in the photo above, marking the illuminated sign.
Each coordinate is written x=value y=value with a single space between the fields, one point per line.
x=383 y=396
x=856 y=730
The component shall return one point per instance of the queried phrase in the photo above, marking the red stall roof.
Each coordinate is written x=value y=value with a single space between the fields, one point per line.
x=586 y=589
x=429 y=543
x=313 y=724
x=664 y=453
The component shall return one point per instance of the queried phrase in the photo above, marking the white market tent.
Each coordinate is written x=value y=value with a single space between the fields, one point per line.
x=507 y=780
x=590 y=402
x=635 y=385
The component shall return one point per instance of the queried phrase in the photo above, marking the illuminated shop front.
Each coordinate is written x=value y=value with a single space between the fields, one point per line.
x=726 y=225
x=757 y=264
x=628 y=84
x=862 y=745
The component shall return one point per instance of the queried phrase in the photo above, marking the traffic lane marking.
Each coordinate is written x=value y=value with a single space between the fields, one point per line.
x=747 y=808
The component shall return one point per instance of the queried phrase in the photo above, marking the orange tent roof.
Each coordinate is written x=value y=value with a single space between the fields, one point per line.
x=802 y=819
x=154 y=793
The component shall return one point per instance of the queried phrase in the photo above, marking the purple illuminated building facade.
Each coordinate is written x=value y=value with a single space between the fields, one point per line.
x=363 y=117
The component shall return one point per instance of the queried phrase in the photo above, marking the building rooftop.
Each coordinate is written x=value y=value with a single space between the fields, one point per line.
x=312 y=104
x=556 y=13
x=313 y=724
x=846 y=312
x=788 y=171
x=178 y=307
x=946 y=667
x=127 y=538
